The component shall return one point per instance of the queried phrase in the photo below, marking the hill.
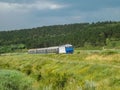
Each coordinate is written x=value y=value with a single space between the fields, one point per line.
x=83 y=70
x=98 y=34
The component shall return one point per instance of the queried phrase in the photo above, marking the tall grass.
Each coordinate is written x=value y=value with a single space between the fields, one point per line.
x=14 y=80
x=78 y=71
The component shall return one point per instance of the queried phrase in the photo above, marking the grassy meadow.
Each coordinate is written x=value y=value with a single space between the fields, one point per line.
x=83 y=70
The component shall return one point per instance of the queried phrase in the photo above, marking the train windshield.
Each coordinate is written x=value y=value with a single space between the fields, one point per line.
x=69 y=49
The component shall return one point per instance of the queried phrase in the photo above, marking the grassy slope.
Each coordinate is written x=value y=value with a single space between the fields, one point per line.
x=68 y=72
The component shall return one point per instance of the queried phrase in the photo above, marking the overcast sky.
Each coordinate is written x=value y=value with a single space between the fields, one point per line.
x=20 y=14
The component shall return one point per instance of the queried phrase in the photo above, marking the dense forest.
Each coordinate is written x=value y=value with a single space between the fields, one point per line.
x=79 y=35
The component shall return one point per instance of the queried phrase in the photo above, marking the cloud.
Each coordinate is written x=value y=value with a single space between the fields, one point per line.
x=46 y=5
x=18 y=14
x=38 y=5
x=14 y=15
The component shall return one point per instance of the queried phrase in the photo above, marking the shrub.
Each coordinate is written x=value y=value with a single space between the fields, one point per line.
x=89 y=85
x=14 y=80
x=109 y=52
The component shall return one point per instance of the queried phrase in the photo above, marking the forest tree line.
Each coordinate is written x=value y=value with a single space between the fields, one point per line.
x=78 y=34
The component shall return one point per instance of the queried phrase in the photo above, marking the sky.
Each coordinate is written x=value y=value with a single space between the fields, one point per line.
x=22 y=14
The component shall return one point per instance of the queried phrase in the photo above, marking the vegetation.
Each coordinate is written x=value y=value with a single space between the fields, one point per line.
x=85 y=35
x=96 y=68
x=12 y=48
x=83 y=70
x=14 y=80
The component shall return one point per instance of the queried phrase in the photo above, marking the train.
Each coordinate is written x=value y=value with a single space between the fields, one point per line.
x=65 y=49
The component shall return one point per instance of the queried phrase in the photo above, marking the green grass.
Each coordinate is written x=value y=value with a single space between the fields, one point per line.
x=14 y=80
x=83 y=70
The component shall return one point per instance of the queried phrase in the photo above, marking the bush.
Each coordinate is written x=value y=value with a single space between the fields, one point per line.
x=14 y=80
x=109 y=52
x=89 y=85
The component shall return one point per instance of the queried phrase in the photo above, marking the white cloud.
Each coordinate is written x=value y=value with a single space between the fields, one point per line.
x=46 y=5
x=76 y=17
x=39 y=5
x=23 y=15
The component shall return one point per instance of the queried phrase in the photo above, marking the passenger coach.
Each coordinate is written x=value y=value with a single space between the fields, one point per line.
x=68 y=48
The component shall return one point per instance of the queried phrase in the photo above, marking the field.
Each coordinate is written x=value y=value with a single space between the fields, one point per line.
x=83 y=70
